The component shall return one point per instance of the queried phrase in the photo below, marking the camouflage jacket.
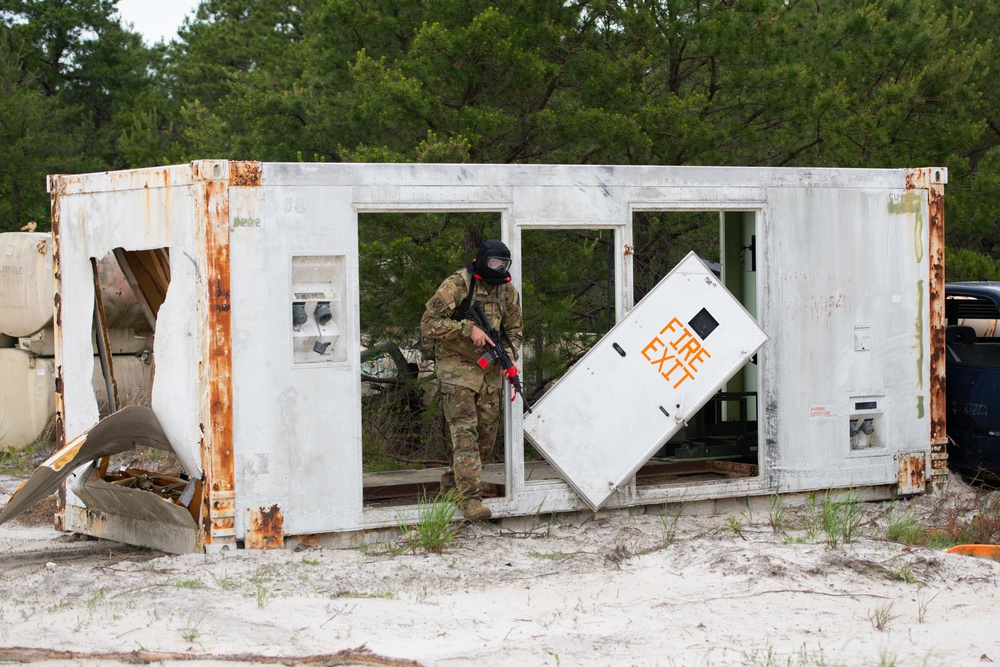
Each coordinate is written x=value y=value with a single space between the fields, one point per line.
x=455 y=354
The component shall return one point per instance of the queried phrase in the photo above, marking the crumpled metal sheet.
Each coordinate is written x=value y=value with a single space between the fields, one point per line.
x=120 y=432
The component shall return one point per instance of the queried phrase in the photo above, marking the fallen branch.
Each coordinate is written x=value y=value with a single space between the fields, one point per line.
x=352 y=656
x=795 y=590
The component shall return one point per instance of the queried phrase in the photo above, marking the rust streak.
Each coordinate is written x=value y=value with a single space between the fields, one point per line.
x=938 y=405
x=56 y=258
x=265 y=528
x=219 y=491
x=933 y=180
x=56 y=188
x=245 y=173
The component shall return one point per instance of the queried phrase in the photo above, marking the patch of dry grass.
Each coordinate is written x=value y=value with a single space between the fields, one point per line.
x=961 y=514
x=39 y=514
x=400 y=431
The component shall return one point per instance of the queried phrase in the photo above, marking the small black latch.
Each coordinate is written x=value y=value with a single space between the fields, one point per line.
x=618 y=349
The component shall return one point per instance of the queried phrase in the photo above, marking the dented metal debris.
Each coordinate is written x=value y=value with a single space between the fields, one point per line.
x=131 y=427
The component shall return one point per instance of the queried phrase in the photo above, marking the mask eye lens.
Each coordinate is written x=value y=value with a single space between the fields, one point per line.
x=498 y=263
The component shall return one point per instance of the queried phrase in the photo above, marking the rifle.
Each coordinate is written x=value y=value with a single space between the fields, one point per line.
x=497 y=352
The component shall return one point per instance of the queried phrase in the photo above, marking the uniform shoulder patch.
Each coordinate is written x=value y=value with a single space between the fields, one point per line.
x=441 y=301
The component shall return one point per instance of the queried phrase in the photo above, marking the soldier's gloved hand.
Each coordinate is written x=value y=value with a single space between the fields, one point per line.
x=479 y=337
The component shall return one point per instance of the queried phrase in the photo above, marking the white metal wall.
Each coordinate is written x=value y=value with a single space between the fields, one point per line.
x=841 y=257
x=846 y=302
x=136 y=210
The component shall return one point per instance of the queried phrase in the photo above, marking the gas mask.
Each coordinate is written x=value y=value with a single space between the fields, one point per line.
x=492 y=263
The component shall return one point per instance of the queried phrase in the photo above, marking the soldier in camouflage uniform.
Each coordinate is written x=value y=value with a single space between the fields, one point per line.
x=471 y=394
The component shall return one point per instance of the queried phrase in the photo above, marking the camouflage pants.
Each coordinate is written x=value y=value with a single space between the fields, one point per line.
x=473 y=419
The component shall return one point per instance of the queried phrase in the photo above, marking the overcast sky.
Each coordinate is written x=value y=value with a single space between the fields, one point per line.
x=156 y=19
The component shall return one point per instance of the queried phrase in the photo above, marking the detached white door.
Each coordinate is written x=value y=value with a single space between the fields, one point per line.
x=639 y=385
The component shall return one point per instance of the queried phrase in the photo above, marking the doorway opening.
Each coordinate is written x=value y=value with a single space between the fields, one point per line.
x=403 y=258
x=568 y=294
x=570 y=290
x=721 y=441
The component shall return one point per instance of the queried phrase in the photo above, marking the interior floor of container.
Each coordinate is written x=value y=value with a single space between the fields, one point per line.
x=405 y=487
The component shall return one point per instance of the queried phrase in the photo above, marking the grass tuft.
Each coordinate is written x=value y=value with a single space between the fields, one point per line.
x=905 y=529
x=882 y=617
x=777 y=515
x=435 y=527
x=22 y=461
x=261 y=579
x=840 y=519
x=551 y=555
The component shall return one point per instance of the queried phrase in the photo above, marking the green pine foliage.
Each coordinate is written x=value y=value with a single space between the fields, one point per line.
x=844 y=83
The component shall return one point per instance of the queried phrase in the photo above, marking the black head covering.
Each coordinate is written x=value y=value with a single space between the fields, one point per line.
x=479 y=267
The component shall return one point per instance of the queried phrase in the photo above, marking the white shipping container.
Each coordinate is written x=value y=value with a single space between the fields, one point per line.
x=843 y=268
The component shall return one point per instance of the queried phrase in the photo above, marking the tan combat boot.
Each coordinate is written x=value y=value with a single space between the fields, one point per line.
x=474 y=510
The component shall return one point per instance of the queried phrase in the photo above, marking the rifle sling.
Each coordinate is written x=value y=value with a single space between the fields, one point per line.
x=463 y=307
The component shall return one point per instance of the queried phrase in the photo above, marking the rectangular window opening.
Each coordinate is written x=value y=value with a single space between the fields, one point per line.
x=569 y=304
x=721 y=442
x=403 y=258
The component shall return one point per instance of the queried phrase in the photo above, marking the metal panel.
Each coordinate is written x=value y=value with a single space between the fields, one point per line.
x=92 y=214
x=844 y=295
x=641 y=383
x=296 y=425
x=119 y=432
x=132 y=528
x=714 y=183
x=934 y=180
x=912 y=473
x=265 y=528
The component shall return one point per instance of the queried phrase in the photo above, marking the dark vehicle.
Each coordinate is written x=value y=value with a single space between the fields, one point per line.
x=972 y=311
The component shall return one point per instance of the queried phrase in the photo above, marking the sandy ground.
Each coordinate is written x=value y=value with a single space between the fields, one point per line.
x=616 y=589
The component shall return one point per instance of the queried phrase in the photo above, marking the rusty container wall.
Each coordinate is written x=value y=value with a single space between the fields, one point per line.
x=842 y=287
x=93 y=214
x=846 y=295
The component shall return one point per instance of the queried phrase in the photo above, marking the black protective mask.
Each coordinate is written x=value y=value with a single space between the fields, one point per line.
x=492 y=263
